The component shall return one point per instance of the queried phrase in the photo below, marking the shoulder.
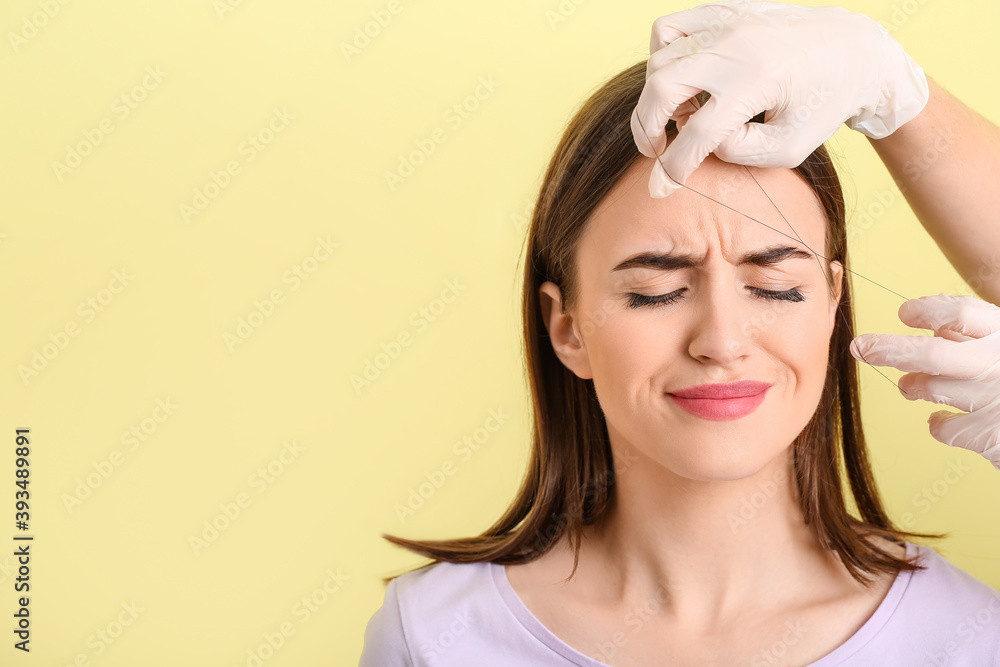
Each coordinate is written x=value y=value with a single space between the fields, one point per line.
x=948 y=603
x=941 y=576
x=437 y=584
x=425 y=607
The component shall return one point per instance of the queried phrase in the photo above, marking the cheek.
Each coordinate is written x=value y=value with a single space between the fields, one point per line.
x=623 y=346
x=799 y=339
x=627 y=358
x=801 y=324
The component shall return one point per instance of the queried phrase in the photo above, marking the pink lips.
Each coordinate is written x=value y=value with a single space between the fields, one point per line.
x=721 y=402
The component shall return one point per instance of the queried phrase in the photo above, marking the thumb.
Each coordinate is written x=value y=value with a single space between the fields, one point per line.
x=944 y=426
x=939 y=417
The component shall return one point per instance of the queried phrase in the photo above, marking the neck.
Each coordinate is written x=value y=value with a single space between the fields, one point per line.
x=706 y=550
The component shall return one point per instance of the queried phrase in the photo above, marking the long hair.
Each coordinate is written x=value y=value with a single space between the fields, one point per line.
x=569 y=482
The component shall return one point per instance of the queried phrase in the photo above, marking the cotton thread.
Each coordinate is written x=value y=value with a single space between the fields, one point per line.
x=796 y=237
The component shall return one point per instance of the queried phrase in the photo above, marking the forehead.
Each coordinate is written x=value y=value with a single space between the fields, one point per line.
x=753 y=207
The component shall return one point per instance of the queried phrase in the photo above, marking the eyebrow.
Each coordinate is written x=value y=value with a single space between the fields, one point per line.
x=668 y=262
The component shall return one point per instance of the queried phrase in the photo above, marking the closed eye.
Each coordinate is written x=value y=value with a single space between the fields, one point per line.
x=640 y=300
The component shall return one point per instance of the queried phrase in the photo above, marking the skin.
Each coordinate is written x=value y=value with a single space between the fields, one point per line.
x=929 y=157
x=722 y=590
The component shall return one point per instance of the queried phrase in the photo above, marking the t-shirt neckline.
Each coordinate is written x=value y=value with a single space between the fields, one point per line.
x=853 y=644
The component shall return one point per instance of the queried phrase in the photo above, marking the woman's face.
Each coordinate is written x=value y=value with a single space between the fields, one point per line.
x=717 y=325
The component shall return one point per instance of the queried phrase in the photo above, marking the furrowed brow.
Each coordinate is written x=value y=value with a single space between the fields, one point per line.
x=668 y=262
x=774 y=254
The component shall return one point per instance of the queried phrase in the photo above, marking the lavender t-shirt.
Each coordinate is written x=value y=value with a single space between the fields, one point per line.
x=462 y=615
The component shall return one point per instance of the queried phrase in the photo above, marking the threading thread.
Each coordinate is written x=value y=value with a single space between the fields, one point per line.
x=796 y=237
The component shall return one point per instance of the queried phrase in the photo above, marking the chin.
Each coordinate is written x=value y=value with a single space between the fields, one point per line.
x=720 y=464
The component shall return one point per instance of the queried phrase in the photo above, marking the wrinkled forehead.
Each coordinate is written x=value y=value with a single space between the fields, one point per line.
x=739 y=208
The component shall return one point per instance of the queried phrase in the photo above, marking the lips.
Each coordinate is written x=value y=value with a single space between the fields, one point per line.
x=722 y=402
x=741 y=389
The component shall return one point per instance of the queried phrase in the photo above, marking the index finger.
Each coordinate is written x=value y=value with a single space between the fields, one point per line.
x=661 y=98
x=703 y=132
x=920 y=354
x=962 y=314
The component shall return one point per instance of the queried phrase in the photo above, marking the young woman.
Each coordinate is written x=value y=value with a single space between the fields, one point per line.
x=696 y=408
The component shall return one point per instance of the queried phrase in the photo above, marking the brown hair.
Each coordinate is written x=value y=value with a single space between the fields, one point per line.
x=571 y=474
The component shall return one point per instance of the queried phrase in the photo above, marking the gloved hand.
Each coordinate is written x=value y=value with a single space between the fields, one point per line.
x=810 y=68
x=958 y=366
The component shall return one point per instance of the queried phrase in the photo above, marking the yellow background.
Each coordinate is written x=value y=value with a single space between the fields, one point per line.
x=460 y=216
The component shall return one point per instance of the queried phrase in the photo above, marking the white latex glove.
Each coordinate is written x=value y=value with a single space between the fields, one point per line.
x=810 y=68
x=958 y=366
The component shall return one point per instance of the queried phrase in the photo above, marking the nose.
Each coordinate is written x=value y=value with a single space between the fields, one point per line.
x=718 y=332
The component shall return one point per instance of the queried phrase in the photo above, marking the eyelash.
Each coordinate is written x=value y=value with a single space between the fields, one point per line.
x=641 y=300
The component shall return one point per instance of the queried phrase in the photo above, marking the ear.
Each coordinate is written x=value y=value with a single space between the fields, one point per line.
x=566 y=341
x=837 y=271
